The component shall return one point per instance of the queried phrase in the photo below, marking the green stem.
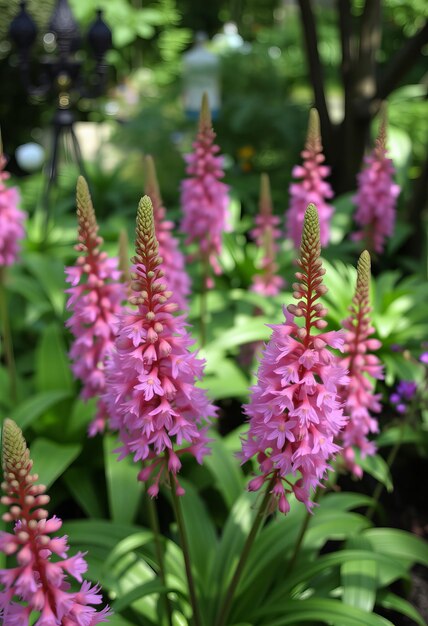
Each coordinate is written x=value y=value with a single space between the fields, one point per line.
x=223 y=614
x=186 y=552
x=389 y=461
x=7 y=339
x=301 y=536
x=203 y=304
x=154 y=523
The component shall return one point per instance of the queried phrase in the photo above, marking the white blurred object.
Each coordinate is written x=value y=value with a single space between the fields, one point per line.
x=30 y=156
x=229 y=38
x=200 y=75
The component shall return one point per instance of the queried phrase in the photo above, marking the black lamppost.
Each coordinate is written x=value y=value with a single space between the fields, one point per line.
x=61 y=74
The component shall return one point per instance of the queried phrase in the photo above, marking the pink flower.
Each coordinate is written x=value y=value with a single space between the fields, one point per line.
x=172 y=258
x=11 y=219
x=376 y=197
x=294 y=410
x=266 y=234
x=204 y=198
x=312 y=188
x=95 y=298
x=358 y=396
x=38 y=581
x=151 y=390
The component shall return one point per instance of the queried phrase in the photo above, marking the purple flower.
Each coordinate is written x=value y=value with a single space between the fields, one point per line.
x=266 y=234
x=204 y=198
x=172 y=258
x=403 y=395
x=407 y=389
x=95 y=298
x=294 y=409
x=11 y=219
x=424 y=358
x=359 y=397
x=312 y=188
x=376 y=197
x=40 y=577
x=153 y=400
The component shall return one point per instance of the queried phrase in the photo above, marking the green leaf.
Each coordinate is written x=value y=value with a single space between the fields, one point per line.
x=49 y=272
x=327 y=525
x=389 y=600
x=52 y=364
x=153 y=586
x=306 y=571
x=403 y=434
x=34 y=407
x=327 y=611
x=84 y=491
x=398 y=543
x=103 y=533
x=359 y=577
x=246 y=330
x=127 y=545
x=124 y=490
x=223 y=378
x=227 y=553
x=51 y=459
x=225 y=470
x=377 y=467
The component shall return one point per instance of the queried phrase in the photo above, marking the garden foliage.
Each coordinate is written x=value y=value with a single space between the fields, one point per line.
x=201 y=520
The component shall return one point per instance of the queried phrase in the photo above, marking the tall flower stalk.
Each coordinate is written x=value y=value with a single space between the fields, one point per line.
x=312 y=186
x=11 y=233
x=294 y=409
x=159 y=412
x=39 y=579
x=172 y=258
x=266 y=234
x=204 y=203
x=359 y=397
x=376 y=197
x=95 y=298
x=11 y=218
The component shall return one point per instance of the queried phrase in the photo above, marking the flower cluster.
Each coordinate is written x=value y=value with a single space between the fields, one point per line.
x=95 y=297
x=294 y=410
x=11 y=219
x=172 y=259
x=204 y=198
x=312 y=188
x=266 y=233
x=376 y=197
x=38 y=580
x=151 y=390
x=403 y=395
x=359 y=397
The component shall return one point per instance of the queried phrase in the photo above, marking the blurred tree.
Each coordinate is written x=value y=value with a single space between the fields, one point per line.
x=366 y=81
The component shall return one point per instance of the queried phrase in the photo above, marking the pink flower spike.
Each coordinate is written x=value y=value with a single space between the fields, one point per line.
x=312 y=188
x=294 y=411
x=37 y=581
x=376 y=198
x=151 y=376
x=11 y=218
x=204 y=198
x=95 y=299
x=358 y=396
x=266 y=234
x=172 y=258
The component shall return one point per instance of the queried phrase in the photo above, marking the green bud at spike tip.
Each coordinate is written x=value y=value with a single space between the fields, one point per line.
x=15 y=454
x=85 y=208
x=311 y=232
